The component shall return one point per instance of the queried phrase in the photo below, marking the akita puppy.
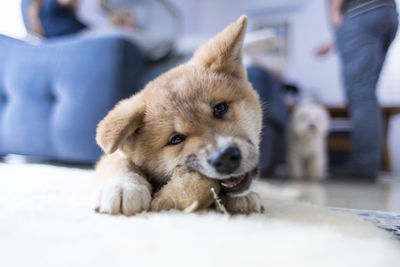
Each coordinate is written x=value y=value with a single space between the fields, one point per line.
x=203 y=115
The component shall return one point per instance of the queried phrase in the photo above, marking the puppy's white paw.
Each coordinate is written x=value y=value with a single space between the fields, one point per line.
x=124 y=195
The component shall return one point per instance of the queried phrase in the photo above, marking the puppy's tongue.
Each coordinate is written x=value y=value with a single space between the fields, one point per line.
x=231 y=182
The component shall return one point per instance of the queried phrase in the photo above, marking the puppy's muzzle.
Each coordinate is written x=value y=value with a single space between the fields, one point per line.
x=226 y=161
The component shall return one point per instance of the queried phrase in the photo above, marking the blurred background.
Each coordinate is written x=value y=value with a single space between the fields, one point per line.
x=124 y=44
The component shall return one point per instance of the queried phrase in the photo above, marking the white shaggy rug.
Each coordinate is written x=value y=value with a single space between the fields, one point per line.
x=45 y=220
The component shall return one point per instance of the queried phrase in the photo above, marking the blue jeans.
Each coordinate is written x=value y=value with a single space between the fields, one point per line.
x=275 y=116
x=362 y=42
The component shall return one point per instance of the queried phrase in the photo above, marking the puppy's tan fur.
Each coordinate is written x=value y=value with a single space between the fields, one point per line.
x=136 y=132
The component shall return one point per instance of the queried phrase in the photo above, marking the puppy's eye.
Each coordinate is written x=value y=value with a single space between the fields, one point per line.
x=176 y=139
x=220 y=109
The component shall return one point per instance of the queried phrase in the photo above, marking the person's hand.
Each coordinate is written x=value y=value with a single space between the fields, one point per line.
x=325 y=49
x=337 y=18
x=37 y=29
x=34 y=19
x=124 y=19
x=69 y=3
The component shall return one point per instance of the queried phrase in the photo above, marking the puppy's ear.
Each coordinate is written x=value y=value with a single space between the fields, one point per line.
x=119 y=123
x=223 y=53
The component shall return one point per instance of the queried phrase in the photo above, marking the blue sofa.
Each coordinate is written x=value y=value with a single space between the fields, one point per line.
x=52 y=95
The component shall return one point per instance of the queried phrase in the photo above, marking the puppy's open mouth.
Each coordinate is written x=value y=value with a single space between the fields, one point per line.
x=238 y=184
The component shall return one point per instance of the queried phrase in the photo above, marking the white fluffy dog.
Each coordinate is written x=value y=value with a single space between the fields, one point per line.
x=306 y=141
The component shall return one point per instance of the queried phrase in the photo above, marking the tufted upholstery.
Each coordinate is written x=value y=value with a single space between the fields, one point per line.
x=53 y=95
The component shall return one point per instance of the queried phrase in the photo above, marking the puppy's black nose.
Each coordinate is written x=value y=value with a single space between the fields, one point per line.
x=226 y=161
x=312 y=126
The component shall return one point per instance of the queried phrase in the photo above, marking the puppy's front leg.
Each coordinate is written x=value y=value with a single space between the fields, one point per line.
x=122 y=188
x=250 y=203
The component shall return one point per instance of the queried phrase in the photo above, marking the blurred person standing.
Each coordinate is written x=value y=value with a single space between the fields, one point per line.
x=364 y=30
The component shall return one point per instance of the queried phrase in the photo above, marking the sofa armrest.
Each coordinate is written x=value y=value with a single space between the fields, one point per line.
x=53 y=95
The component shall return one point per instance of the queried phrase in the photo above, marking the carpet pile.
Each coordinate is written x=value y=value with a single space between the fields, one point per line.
x=45 y=220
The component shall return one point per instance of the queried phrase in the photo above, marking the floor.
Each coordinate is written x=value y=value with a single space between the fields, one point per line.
x=382 y=195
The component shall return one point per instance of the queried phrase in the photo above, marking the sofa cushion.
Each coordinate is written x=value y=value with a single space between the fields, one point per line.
x=53 y=95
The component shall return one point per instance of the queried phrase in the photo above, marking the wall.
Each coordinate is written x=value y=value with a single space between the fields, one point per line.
x=11 y=19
